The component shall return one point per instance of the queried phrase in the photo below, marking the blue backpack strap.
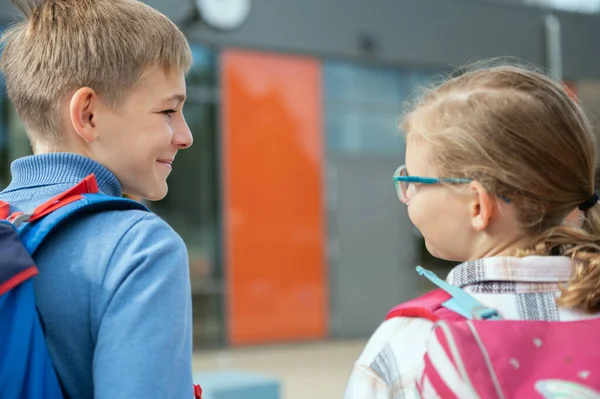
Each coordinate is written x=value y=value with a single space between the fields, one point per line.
x=16 y=265
x=33 y=234
x=26 y=371
x=460 y=301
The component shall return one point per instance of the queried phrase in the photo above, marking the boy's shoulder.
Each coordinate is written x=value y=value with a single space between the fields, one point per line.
x=102 y=236
x=130 y=224
x=106 y=247
x=115 y=236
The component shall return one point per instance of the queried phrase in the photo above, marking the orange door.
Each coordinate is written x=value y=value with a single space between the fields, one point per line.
x=273 y=197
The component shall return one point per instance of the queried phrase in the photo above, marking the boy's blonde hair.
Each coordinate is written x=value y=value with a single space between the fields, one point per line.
x=63 y=45
x=523 y=138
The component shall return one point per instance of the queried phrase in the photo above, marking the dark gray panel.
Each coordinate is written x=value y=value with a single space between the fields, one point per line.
x=431 y=32
x=373 y=249
x=436 y=33
x=7 y=12
x=177 y=10
x=580 y=46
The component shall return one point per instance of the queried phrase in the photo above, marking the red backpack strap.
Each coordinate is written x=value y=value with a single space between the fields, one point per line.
x=86 y=186
x=197 y=392
x=428 y=306
x=4 y=210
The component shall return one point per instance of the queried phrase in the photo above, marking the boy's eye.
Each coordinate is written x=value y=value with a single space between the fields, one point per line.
x=169 y=112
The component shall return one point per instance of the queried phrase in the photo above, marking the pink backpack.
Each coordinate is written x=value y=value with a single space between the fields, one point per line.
x=473 y=353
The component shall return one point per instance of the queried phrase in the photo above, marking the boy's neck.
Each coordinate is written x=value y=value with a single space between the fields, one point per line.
x=61 y=168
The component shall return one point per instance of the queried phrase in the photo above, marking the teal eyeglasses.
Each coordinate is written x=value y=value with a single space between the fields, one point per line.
x=405 y=184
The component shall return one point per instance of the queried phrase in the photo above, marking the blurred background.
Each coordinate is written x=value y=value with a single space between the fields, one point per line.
x=298 y=244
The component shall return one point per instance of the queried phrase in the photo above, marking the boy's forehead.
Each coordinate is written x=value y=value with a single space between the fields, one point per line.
x=168 y=85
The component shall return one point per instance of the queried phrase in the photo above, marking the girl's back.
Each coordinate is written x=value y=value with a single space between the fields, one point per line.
x=499 y=175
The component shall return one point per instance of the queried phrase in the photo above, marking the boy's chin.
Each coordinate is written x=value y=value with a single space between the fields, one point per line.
x=156 y=194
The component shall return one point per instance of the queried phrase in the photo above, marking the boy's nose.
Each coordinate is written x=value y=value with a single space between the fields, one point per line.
x=183 y=137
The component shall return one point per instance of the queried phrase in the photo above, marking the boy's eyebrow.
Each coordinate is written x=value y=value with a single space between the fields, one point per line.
x=180 y=98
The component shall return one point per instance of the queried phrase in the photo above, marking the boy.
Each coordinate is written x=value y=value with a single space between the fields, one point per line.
x=99 y=86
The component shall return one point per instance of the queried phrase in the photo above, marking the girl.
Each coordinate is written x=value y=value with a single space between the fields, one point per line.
x=496 y=160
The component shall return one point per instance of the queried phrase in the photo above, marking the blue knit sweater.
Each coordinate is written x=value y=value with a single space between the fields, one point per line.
x=113 y=290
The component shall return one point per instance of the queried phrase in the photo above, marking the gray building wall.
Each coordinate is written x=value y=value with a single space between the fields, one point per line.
x=7 y=12
x=427 y=32
x=433 y=33
x=399 y=32
x=371 y=244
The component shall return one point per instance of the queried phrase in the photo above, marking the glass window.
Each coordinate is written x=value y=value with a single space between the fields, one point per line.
x=4 y=155
x=583 y=6
x=362 y=109
x=192 y=205
x=363 y=104
x=13 y=139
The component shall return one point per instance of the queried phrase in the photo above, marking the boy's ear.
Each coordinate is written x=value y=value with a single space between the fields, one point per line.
x=82 y=110
x=482 y=206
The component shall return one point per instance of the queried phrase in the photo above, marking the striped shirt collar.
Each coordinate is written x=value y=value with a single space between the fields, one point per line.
x=530 y=269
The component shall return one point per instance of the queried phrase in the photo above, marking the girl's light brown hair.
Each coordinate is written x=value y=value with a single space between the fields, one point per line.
x=524 y=138
x=63 y=45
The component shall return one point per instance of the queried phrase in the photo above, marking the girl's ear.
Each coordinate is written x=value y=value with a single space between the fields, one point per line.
x=482 y=206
